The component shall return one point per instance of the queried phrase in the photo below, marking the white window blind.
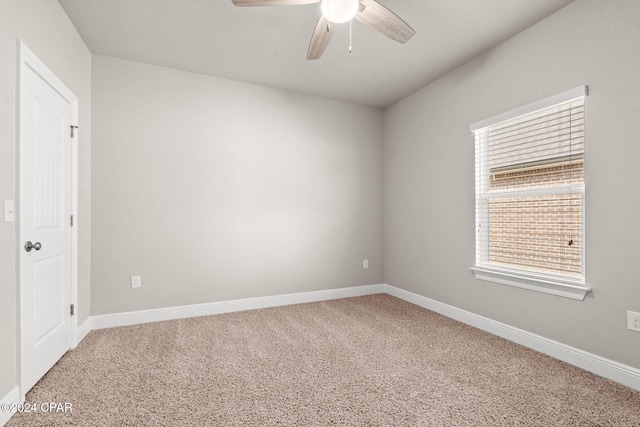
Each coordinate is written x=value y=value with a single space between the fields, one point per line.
x=530 y=191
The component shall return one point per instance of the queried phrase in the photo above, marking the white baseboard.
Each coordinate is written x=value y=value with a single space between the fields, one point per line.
x=181 y=312
x=607 y=368
x=12 y=398
x=84 y=329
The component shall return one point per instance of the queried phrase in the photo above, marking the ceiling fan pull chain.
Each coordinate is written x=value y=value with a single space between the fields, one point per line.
x=350 y=37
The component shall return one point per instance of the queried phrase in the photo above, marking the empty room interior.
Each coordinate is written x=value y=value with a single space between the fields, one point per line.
x=263 y=212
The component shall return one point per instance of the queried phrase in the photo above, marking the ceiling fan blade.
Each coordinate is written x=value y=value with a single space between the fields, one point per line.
x=320 y=38
x=380 y=18
x=243 y=3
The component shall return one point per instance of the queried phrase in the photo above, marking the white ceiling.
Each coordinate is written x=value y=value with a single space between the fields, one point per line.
x=268 y=45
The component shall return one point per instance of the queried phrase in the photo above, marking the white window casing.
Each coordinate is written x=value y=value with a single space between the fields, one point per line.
x=530 y=196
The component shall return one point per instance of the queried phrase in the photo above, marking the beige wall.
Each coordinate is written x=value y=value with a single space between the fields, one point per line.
x=429 y=176
x=45 y=28
x=214 y=190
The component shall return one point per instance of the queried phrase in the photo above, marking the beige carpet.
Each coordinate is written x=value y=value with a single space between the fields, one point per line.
x=372 y=360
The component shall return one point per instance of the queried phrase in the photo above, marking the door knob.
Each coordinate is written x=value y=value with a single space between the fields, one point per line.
x=28 y=246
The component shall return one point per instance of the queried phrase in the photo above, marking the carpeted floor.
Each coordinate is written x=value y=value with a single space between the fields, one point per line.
x=373 y=360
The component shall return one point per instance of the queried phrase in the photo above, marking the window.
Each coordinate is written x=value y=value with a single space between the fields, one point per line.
x=530 y=196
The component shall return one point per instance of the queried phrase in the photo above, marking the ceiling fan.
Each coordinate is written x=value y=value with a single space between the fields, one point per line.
x=369 y=12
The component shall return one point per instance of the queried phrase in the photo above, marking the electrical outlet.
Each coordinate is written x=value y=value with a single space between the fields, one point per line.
x=633 y=321
x=136 y=282
x=365 y=264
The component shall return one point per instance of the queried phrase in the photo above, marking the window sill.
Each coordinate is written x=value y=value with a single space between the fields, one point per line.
x=566 y=290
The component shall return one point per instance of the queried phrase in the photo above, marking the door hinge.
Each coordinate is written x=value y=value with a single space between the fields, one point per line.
x=73 y=128
x=71 y=221
x=73 y=309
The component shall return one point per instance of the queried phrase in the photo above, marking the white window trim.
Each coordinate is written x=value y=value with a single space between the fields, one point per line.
x=530 y=108
x=537 y=282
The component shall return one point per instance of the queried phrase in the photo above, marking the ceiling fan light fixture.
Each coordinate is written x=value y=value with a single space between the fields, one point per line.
x=339 y=11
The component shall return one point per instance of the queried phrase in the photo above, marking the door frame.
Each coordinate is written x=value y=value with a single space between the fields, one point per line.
x=29 y=62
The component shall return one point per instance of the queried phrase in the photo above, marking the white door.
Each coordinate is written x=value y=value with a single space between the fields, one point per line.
x=44 y=228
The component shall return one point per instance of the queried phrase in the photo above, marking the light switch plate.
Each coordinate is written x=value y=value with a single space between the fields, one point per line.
x=9 y=211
